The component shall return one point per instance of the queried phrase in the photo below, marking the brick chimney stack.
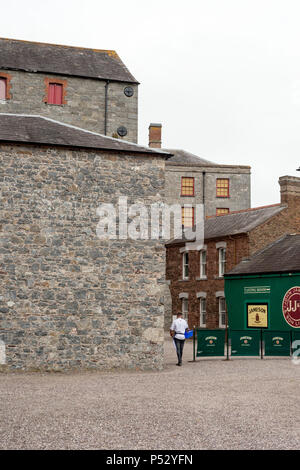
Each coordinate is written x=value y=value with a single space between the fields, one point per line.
x=290 y=190
x=155 y=136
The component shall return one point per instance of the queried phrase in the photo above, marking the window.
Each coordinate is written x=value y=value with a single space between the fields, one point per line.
x=185 y=266
x=187 y=216
x=222 y=312
x=203 y=263
x=222 y=187
x=55 y=93
x=222 y=211
x=187 y=186
x=185 y=308
x=222 y=261
x=203 y=312
x=3 y=88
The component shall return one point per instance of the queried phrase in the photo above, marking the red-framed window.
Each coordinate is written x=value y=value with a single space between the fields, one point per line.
x=187 y=216
x=222 y=187
x=187 y=186
x=222 y=211
x=55 y=92
x=5 y=86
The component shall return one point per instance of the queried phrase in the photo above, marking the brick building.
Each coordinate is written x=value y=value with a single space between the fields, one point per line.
x=192 y=180
x=88 y=88
x=69 y=299
x=196 y=279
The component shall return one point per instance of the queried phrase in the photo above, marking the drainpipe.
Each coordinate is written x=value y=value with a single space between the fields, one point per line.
x=203 y=192
x=105 y=107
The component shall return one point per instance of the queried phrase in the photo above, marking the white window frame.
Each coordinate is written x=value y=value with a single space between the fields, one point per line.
x=222 y=312
x=185 y=265
x=202 y=311
x=185 y=308
x=203 y=264
x=222 y=261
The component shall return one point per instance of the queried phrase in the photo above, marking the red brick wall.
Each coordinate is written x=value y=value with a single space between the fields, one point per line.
x=287 y=221
x=236 y=249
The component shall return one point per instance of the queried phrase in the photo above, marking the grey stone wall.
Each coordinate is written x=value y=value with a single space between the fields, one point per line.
x=85 y=102
x=69 y=299
x=240 y=197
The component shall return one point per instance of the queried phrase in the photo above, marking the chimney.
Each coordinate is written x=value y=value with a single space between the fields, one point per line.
x=155 y=136
x=289 y=189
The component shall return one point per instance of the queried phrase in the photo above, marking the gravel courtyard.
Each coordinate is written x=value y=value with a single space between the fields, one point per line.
x=209 y=404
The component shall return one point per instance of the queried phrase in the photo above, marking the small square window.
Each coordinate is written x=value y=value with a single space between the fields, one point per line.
x=222 y=211
x=222 y=187
x=187 y=186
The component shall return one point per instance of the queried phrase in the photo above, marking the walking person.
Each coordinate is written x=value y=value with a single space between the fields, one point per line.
x=177 y=331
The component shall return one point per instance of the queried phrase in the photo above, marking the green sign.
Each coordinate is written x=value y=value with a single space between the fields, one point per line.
x=245 y=343
x=210 y=342
x=277 y=343
x=257 y=290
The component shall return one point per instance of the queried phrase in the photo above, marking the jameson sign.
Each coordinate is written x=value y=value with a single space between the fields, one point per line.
x=257 y=290
x=257 y=315
x=291 y=307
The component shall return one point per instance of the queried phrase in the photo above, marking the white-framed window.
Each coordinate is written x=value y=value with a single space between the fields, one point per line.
x=203 y=263
x=222 y=312
x=222 y=261
x=185 y=266
x=202 y=312
x=185 y=308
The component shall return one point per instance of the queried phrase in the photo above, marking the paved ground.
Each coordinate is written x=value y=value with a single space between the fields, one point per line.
x=210 y=404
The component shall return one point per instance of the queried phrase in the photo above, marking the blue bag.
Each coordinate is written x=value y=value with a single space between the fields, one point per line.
x=188 y=334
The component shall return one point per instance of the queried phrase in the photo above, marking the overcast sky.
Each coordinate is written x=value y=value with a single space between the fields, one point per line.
x=222 y=76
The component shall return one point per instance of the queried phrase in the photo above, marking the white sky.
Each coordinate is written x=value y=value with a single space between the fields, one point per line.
x=222 y=76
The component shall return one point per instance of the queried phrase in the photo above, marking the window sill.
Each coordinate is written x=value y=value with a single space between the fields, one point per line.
x=201 y=278
x=182 y=280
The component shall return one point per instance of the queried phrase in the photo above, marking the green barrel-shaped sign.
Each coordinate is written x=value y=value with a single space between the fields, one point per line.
x=277 y=343
x=210 y=342
x=245 y=342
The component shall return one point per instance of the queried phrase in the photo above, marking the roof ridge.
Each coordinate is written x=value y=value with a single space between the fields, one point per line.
x=110 y=52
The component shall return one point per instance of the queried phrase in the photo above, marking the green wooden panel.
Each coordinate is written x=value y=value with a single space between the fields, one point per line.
x=277 y=343
x=245 y=342
x=210 y=343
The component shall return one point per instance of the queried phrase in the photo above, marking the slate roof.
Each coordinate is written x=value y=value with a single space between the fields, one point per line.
x=281 y=256
x=236 y=222
x=187 y=158
x=41 y=130
x=63 y=60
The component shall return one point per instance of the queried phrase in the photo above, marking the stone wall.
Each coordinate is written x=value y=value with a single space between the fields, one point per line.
x=69 y=299
x=85 y=102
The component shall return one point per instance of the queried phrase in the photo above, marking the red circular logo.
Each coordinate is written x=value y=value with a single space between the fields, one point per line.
x=291 y=307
